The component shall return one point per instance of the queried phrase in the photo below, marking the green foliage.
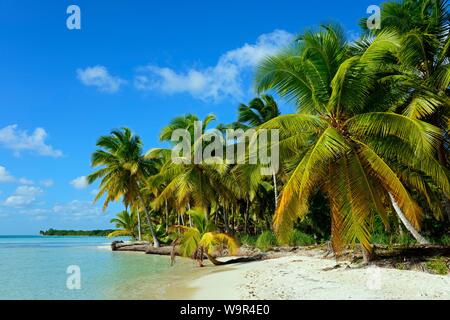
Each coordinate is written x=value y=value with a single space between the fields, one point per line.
x=201 y=239
x=445 y=240
x=77 y=233
x=405 y=239
x=438 y=266
x=266 y=241
x=371 y=129
x=299 y=238
x=248 y=240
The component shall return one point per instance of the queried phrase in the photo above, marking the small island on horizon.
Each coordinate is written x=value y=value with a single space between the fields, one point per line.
x=79 y=233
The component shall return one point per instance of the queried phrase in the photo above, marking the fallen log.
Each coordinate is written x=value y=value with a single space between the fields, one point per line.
x=161 y=251
x=415 y=251
x=134 y=247
x=255 y=258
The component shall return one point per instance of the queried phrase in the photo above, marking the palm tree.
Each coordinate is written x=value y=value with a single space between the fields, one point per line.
x=199 y=240
x=258 y=112
x=186 y=183
x=340 y=137
x=123 y=172
x=126 y=223
x=424 y=69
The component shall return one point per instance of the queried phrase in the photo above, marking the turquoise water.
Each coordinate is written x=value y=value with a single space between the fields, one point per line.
x=33 y=267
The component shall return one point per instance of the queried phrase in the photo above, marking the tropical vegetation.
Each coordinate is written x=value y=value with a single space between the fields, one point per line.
x=364 y=158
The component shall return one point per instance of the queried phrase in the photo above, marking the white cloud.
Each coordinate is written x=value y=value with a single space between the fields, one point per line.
x=215 y=82
x=80 y=183
x=28 y=191
x=19 y=141
x=95 y=192
x=18 y=201
x=25 y=181
x=99 y=77
x=47 y=183
x=23 y=196
x=78 y=210
x=5 y=176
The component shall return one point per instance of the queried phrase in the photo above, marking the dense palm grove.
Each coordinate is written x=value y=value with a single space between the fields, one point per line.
x=364 y=159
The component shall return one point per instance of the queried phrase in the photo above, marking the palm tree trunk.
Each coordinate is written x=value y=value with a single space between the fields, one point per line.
x=400 y=228
x=275 y=189
x=190 y=218
x=152 y=231
x=139 y=226
x=367 y=255
x=246 y=217
x=225 y=221
x=420 y=239
x=167 y=217
x=150 y=225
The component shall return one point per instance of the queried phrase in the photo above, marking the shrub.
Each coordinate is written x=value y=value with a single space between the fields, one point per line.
x=381 y=238
x=445 y=240
x=438 y=266
x=266 y=241
x=404 y=240
x=301 y=239
x=248 y=240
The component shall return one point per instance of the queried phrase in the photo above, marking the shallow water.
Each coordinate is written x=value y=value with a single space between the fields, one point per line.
x=33 y=267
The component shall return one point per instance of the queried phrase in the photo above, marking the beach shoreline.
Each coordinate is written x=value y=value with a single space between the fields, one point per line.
x=309 y=276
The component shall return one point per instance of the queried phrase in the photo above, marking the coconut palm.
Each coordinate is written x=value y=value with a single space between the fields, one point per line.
x=187 y=183
x=123 y=171
x=126 y=223
x=337 y=143
x=424 y=69
x=201 y=239
x=258 y=112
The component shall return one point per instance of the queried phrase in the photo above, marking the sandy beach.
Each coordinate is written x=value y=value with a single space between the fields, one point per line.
x=300 y=277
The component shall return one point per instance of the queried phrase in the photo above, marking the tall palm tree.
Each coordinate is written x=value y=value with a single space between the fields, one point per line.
x=126 y=223
x=424 y=67
x=123 y=171
x=336 y=142
x=258 y=112
x=187 y=184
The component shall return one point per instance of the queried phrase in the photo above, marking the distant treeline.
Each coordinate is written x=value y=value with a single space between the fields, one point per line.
x=89 y=233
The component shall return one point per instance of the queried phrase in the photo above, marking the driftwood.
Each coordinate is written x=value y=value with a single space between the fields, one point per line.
x=148 y=248
x=161 y=251
x=135 y=246
x=416 y=251
x=255 y=258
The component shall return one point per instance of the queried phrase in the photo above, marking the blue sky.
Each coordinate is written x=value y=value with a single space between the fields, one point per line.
x=133 y=63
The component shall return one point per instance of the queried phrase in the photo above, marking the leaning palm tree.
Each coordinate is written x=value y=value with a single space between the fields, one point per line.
x=202 y=240
x=126 y=223
x=423 y=67
x=341 y=136
x=123 y=172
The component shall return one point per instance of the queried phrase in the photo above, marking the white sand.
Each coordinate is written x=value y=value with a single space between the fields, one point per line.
x=301 y=277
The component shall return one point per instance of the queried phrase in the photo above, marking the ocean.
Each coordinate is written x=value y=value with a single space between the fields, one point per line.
x=81 y=268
